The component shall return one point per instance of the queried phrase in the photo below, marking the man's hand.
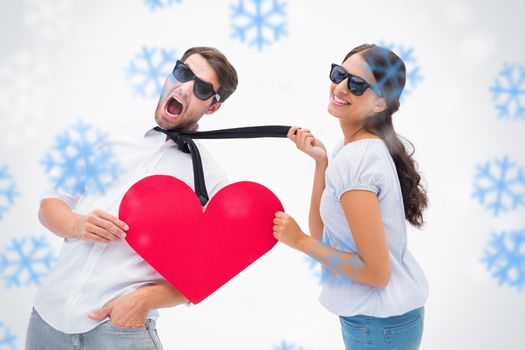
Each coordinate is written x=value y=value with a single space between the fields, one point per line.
x=100 y=226
x=128 y=311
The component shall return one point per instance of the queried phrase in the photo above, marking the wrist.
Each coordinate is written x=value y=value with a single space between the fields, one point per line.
x=143 y=298
x=302 y=242
x=322 y=162
x=74 y=231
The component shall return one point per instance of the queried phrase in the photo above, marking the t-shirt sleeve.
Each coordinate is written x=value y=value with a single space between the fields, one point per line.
x=358 y=172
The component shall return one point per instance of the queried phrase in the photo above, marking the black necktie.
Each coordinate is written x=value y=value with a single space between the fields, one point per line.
x=185 y=142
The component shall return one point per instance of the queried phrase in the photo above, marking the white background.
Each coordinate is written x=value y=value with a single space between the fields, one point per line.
x=62 y=61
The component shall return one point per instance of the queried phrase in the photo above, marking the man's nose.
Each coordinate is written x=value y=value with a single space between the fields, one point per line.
x=185 y=88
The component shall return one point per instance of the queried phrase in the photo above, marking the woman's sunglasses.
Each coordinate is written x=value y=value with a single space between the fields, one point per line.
x=356 y=85
x=201 y=89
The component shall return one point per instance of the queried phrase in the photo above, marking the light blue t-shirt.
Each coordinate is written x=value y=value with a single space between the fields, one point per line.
x=367 y=165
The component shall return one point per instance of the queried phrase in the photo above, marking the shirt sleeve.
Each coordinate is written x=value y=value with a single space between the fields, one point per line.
x=69 y=199
x=358 y=171
x=71 y=194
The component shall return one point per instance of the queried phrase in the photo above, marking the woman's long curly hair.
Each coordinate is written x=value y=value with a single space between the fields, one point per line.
x=389 y=71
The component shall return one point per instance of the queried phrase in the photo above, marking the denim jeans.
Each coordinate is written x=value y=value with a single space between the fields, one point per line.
x=402 y=332
x=106 y=336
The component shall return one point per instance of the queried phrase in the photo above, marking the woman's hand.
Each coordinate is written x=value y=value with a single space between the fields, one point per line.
x=306 y=142
x=287 y=231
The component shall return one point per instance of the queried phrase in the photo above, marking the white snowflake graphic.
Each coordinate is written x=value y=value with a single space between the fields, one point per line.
x=7 y=339
x=315 y=268
x=160 y=4
x=26 y=261
x=48 y=18
x=413 y=74
x=326 y=275
x=23 y=82
x=504 y=258
x=284 y=345
x=500 y=185
x=259 y=22
x=509 y=91
x=80 y=161
x=147 y=72
x=8 y=191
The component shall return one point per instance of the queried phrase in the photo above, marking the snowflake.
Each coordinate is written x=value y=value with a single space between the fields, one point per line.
x=500 y=185
x=149 y=70
x=509 y=91
x=7 y=340
x=284 y=345
x=48 y=18
x=258 y=19
x=326 y=275
x=314 y=267
x=505 y=258
x=23 y=85
x=8 y=191
x=160 y=4
x=80 y=161
x=26 y=261
x=413 y=75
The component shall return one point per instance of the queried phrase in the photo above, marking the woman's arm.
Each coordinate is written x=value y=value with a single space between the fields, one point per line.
x=362 y=211
x=314 y=218
x=307 y=143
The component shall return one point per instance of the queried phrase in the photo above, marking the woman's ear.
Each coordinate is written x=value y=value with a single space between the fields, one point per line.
x=380 y=105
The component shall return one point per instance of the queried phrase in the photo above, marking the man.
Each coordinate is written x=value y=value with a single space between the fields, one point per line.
x=101 y=294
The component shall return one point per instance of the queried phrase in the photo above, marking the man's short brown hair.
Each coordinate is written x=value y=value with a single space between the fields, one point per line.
x=226 y=74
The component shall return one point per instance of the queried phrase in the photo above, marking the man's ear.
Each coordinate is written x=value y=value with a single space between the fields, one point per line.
x=213 y=108
x=380 y=105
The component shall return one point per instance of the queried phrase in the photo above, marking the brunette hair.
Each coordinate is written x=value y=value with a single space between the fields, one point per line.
x=389 y=71
x=226 y=74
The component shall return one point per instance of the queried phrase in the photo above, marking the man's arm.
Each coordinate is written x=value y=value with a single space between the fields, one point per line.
x=98 y=225
x=131 y=310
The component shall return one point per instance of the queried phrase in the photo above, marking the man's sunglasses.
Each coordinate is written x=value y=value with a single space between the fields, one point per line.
x=202 y=90
x=356 y=85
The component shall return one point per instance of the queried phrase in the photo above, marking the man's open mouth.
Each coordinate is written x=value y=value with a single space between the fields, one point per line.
x=174 y=107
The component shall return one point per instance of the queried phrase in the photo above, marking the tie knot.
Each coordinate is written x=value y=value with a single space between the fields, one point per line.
x=178 y=138
x=182 y=142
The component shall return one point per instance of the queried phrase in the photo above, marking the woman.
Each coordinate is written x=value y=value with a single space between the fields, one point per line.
x=359 y=206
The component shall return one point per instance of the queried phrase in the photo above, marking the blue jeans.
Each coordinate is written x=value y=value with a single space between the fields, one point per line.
x=106 y=336
x=402 y=332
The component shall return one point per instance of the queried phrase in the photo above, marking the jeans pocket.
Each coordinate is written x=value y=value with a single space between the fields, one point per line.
x=155 y=339
x=117 y=337
x=125 y=329
x=355 y=333
x=405 y=337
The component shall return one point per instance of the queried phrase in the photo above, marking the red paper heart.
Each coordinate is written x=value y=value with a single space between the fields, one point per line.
x=198 y=252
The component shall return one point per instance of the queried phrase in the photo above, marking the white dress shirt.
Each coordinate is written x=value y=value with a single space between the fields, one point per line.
x=89 y=274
